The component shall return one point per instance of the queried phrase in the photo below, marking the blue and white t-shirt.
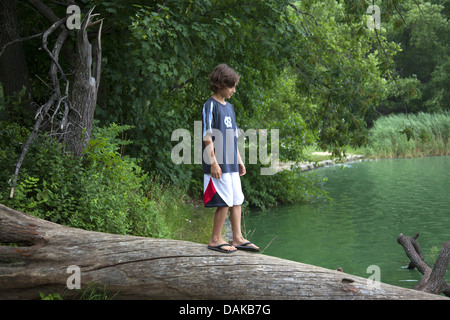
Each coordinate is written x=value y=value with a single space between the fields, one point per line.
x=219 y=122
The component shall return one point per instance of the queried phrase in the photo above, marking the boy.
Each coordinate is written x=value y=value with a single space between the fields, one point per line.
x=222 y=164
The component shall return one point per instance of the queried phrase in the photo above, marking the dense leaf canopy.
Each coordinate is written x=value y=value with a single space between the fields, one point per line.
x=312 y=69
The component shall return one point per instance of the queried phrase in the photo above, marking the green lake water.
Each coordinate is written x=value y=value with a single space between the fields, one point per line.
x=373 y=202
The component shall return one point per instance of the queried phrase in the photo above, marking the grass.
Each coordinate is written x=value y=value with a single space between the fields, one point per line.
x=403 y=136
x=400 y=136
x=196 y=225
x=91 y=292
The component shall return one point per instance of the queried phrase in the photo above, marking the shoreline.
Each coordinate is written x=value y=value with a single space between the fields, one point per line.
x=307 y=166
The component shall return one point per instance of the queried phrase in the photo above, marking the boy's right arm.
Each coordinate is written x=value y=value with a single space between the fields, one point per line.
x=216 y=171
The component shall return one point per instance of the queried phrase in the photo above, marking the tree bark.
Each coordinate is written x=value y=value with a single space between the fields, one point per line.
x=85 y=87
x=433 y=280
x=143 y=268
x=14 y=74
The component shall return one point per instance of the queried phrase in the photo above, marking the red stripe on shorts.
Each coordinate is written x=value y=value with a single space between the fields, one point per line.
x=209 y=192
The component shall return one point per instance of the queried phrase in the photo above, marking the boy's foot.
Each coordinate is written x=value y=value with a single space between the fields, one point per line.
x=246 y=245
x=224 y=247
x=220 y=245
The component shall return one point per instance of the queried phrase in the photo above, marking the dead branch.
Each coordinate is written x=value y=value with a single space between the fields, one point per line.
x=433 y=280
x=19 y=40
x=52 y=110
x=43 y=110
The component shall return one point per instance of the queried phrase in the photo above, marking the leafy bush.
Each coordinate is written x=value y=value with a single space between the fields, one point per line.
x=100 y=191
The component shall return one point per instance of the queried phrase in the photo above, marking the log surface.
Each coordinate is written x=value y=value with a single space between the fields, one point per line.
x=144 y=268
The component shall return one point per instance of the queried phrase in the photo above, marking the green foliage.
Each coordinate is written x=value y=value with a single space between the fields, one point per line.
x=12 y=137
x=341 y=70
x=101 y=191
x=174 y=46
x=311 y=69
x=285 y=109
x=434 y=253
x=422 y=29
x=51 y=296
x=11 y=108
x=113 y=193
x=317 y=76
x=91 y=292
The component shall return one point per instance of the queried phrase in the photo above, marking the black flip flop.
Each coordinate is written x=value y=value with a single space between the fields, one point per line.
x=244 y=247
x=219 y=248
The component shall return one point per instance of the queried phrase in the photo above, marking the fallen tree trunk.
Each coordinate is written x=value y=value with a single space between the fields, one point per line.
x=143 y=268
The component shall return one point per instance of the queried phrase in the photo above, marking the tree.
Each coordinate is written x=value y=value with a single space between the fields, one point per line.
x=422 y=29
x=342 y=67
x=14 y=75
x=67 y=112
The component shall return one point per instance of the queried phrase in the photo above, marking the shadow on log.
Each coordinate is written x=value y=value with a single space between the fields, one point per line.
x=143 y=268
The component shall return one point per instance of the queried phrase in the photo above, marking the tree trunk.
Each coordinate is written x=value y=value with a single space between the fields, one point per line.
x=13 y=67
x=85 y=87
x=144 y=268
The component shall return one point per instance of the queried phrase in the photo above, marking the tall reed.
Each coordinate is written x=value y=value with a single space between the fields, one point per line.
x=414 y=135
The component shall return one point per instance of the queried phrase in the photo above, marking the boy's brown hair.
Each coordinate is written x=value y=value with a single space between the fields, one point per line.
x=223 y=76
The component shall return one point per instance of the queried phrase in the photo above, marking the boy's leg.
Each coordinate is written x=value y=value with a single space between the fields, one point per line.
x=216 y=237
x=235 y=217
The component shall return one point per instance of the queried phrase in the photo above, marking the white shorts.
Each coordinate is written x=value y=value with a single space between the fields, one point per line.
x=223 y=192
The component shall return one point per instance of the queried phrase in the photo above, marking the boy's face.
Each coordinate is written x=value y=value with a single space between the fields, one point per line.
x=227 y=92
